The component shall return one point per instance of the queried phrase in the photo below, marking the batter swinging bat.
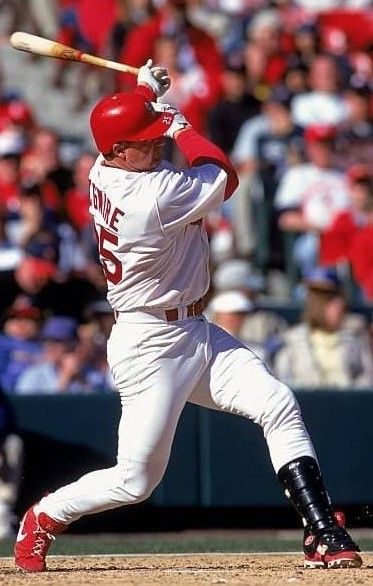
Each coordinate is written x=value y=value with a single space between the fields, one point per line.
x=48 y=48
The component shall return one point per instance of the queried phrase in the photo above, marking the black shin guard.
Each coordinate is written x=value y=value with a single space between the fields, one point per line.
x=304 y=486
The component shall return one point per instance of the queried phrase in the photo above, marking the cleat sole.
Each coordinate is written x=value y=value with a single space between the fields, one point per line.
x=341 y=563
x=356 y=562
x=310 y=565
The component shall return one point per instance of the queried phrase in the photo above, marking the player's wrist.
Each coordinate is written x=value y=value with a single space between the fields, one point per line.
x=179 y=123
x=180 y=130
x=147 y=91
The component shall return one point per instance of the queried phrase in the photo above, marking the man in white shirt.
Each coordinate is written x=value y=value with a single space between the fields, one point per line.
x=311 y=194
x=323 y=104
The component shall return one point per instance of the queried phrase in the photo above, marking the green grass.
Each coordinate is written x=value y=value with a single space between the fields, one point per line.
x=171 y=543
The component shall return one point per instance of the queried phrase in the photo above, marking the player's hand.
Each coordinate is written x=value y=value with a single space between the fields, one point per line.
x=179 y=122
x=155 y=77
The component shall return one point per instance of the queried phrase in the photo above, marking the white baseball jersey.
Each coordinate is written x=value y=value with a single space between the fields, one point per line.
x=152 y=243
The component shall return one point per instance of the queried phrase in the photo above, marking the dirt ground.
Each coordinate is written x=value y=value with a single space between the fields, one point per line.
x=249 y=569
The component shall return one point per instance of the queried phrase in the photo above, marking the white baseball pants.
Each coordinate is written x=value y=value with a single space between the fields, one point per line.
x=158 y=366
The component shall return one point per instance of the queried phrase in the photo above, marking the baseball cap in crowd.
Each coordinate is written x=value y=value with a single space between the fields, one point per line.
x=322 y=278
x=263 y=19
x=360 y=86
x=20 y=113
x=234 y=63
x=359 y=172
x=334 y=40
x=59 y=328
x=43 y=256
x=280 y=95
x=12 y=143
x=235 y=7
x=320 y=133
x=23 y=307
x=231 y=302
x=237 y=274
x=306 y=28
x=43 y=246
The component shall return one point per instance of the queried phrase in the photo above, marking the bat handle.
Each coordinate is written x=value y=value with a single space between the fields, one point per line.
x=93 y=60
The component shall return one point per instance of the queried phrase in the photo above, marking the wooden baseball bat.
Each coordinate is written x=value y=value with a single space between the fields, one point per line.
x=41 y=46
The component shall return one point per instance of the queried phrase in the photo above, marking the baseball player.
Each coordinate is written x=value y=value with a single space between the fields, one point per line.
x=162 y=351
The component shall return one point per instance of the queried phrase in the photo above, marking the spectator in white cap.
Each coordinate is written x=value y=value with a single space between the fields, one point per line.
x=237 y=273
x=229 y=309
x=259 y=325
x=12 y=143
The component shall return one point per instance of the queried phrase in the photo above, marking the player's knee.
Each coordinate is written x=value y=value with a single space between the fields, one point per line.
x=135 y=490
x=281 y=410
x=136 y=483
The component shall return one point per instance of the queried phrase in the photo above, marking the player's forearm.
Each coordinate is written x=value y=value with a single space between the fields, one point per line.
x=200 y=151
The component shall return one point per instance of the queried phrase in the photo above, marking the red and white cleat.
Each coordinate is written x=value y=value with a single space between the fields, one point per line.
x=332 y=548
x=35 y=535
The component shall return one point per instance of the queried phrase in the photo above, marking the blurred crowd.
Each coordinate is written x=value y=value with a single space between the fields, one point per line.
x=285 y=88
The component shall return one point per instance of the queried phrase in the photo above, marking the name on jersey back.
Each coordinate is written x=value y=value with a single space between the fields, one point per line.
x=100 y=202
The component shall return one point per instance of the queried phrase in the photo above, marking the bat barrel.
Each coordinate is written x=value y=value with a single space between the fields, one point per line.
x=40 y=46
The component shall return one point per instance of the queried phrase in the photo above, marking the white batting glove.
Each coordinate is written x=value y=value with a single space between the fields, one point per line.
x=179 y=122
x=157 y=78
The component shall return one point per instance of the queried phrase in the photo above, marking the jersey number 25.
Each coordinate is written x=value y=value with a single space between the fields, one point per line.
x=114 y=274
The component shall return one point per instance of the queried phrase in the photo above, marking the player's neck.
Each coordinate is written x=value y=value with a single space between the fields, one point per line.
x=112 y=163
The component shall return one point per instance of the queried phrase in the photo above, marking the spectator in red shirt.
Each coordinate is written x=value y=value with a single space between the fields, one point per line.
x=41 y=164
x=350 y=237
x=77 y=198
x=15 y=113
x=195 y=49
x=96 y=19
x=264 y=62
x=130 y=13
x=11 y=148
x=189 y=89
x=86 y=25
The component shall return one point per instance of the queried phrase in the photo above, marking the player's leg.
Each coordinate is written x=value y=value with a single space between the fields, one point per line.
x=154 y=370
x=237 y=381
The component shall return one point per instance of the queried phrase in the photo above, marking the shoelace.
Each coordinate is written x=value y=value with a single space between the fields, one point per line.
x=42 y=542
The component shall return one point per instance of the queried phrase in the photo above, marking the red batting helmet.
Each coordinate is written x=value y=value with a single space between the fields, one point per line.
x=126 y=117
